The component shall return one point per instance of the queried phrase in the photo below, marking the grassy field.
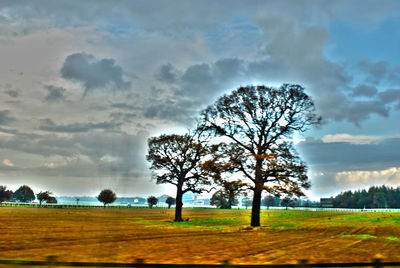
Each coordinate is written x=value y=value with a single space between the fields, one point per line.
x=210 y=235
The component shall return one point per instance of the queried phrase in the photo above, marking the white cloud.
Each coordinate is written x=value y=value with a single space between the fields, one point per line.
x=348 y=138
x=7 y=163
x=362 y=178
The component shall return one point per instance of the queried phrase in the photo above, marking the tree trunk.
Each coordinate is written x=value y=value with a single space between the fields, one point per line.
x=258 y=187
x=229 y=204
x=179 y=203
x=255 y=211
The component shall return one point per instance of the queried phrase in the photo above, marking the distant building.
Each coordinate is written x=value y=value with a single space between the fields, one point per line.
x=326 y=202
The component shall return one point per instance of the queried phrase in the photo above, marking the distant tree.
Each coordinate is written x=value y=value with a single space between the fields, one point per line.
x=152 y=201
x=226 y=197
x=24 y=194
x=268 y=201
x=44 y=196
x=246 y=200
x=51 y=200
x=258 y=122
x=107 y=197
x=287 y=202
x=5 y=195
x=77 y=199
x=170 y=201
x=177 y=160
x=219 y=199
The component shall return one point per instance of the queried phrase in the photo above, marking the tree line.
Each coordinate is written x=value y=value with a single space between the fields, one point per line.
x=375 y=197
x=26 y=195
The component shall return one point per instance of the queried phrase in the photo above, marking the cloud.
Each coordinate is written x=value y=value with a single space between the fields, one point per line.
x=124 y=117
x=364 y=90
x=167 y=74
x=379 y=71
x=55 y=94
x=124 y=106
x=12 y=93
x=390 y=95
x=49 y=125
x=364 y=178
x=347 y=138
x=93 y=73
x=7 y=163
x=5 y=119
x=348 y=156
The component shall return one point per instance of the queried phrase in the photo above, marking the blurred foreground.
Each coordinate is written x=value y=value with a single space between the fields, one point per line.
x=209 y=236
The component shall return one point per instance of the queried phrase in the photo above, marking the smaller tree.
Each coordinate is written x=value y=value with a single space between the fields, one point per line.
x=152 y=201
x=219 y=199
x=246 y=201
x=170 y=201
x=107 y=197
x=44 y=196
x=5 y=195
x=268 y=201
x=51 y=200
x=24 y=194
x=287 y=202
x=77 y=199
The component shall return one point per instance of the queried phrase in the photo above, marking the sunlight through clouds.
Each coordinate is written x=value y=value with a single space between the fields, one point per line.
x=389 y=177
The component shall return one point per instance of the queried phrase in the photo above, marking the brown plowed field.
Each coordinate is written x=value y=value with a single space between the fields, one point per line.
x=210 y=236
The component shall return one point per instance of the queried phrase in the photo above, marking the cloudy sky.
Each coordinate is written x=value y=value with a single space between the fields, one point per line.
x=83 y=84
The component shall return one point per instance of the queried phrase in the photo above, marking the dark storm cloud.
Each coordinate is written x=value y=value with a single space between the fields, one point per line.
x=390 y=95
x=364 y=90
x=12 y=93
x=357 y=111
x=49 y=125
x=193 y=88
x=175 y=109
x=167 y=74
x=340 y=156
x=55 y=94
x=5 y=117
x=380 y=71
x=124 y=106
x=93 y=73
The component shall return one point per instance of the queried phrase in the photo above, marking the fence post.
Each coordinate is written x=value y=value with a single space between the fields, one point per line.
x=303 y=264
x=225 y=263
x=378 y=263
x=139 y=261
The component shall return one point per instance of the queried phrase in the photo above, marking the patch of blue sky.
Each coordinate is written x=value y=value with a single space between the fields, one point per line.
x=352 y=43
x=121 y=28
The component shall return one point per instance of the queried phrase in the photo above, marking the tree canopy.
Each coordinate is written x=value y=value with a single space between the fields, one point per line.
x=107 y=196
x=177 y=159
x=24 y=194
x=44 y=196
x=5 y=195
x=259 y=122
x=170 y=201
x=152 y=201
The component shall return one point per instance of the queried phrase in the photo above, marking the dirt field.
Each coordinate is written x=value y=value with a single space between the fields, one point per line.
x=210 y=236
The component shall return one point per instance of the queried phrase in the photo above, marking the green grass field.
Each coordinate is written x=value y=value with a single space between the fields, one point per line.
x=209 y=235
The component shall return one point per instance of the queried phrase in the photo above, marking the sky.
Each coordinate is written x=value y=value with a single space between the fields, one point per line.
x=84 y=84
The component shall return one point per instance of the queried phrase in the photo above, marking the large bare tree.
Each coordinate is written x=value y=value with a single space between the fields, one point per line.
x=259 y=121
x=177 y=159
